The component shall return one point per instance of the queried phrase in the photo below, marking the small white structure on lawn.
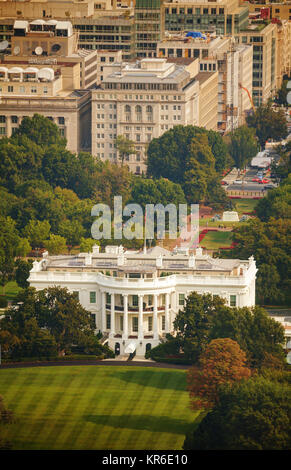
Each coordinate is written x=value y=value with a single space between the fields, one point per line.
x=230 y=216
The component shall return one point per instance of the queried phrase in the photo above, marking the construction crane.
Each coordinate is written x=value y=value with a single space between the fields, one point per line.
x=249 y=95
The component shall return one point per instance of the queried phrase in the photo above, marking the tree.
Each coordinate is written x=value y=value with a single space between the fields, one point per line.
x=9 y=242
x=22 y=272
x=55 y=245
x=72 y=231
x=250 y=415
x=23 y=247
x=40 y=130
x=125 y=147
x=193 y=323
x=37 y=231
x=221 y=362
x=268 y=124
x=87 y=244
x=242 y=146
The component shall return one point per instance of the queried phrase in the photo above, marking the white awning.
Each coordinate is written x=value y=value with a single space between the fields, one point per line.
x=3 y=69
x=130 y=348
x=51 y=22
x=47 y=73
x=18 y=24
x=41 y=22
x=15 y=70
x=31 y=70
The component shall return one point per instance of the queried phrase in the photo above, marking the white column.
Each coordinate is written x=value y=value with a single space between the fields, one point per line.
x=125 y=317
x=167 y=326
x=103 y=312
x=112 y=326
x=140 y=317
x=155 y=326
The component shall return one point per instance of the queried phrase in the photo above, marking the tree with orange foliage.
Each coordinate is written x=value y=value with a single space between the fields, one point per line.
x=223 y=361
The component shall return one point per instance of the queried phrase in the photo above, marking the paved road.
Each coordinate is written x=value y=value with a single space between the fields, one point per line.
x=95 y=363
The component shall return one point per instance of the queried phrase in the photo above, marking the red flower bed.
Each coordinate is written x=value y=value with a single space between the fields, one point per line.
x=235 y=197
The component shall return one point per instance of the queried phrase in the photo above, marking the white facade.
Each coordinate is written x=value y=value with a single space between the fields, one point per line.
x=136 y=296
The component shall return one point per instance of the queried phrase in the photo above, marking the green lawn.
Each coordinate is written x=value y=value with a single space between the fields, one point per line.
x=11 y=290
x=245 y=205
x=214 y=240
x=96 y=407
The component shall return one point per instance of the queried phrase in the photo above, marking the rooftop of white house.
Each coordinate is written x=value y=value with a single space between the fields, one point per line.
x=154 y=262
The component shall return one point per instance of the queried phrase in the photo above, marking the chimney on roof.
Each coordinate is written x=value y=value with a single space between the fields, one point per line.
x=88 y=259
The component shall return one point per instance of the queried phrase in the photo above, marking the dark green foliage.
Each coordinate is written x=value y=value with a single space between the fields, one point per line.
x=190 y=156
x=251 y=415
x=22 y=272
x=268 y=124
x=47 y=322
x=243 y=146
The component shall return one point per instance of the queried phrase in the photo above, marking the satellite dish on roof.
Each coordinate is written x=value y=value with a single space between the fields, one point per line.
x=16 y=50
x=56 y=47
x=38 y=50
x=288 y=358
x=3 y=45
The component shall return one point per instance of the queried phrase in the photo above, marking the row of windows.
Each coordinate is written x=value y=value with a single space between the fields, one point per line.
x=139 y=97
x=190 y=11
x=232 y=300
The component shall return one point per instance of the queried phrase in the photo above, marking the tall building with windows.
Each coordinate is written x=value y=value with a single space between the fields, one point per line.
x=47 y=74
x=141 y=100
x=263 y=37
x=233 y=63
x=134 y=297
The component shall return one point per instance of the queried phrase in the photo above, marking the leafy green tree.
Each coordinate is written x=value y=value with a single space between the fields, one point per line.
x=55 y=245
x=22 y=272
x=268 y=124
x=250 y=415
x=9 y=242
x=160 y=191
x=269 y=242
x=242 y=146
x=23 y=247
x=193 y=323
x=277 y=203
x=40 y=130
x=72 y=231
x=37 y=231
x=87 y=244
x=281 y=97
x=125 y=147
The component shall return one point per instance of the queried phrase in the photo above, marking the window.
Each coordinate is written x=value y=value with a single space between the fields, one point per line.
x=181 y=299
x=103 y=59
x=232 y=300
x=108 y=298
x=92 y=297
x=135 y=300
x=135 y=324
x=150 y=300
x=10 y=89
x=2 y=119
x=108 y=321
x=33 y=89
x=61 y=120
x=163 y=322
x=121 y=323
x=2 y=130
x=150 y=323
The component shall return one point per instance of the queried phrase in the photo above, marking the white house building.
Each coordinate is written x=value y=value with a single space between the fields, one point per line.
x=135 y=295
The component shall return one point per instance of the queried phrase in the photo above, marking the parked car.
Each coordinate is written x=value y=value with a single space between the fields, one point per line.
x=224 y=183
x=256 y=180
x=264 y=181
x=238 y=182
x=269 y=186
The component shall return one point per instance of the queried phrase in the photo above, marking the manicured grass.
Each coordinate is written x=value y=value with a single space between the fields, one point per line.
x=11 y=290
x=96 y=407
x=245 y=205
x=214 y=240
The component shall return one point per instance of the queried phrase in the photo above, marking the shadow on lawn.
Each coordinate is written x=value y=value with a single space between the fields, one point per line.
x=142 y=423
x=153 y=378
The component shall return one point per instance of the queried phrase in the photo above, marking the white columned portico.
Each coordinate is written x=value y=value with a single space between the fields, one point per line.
x=155 y=325
x=112 y=321
x=140 y=317
x=167 y=324
x=125 y=317
x=103 y=311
